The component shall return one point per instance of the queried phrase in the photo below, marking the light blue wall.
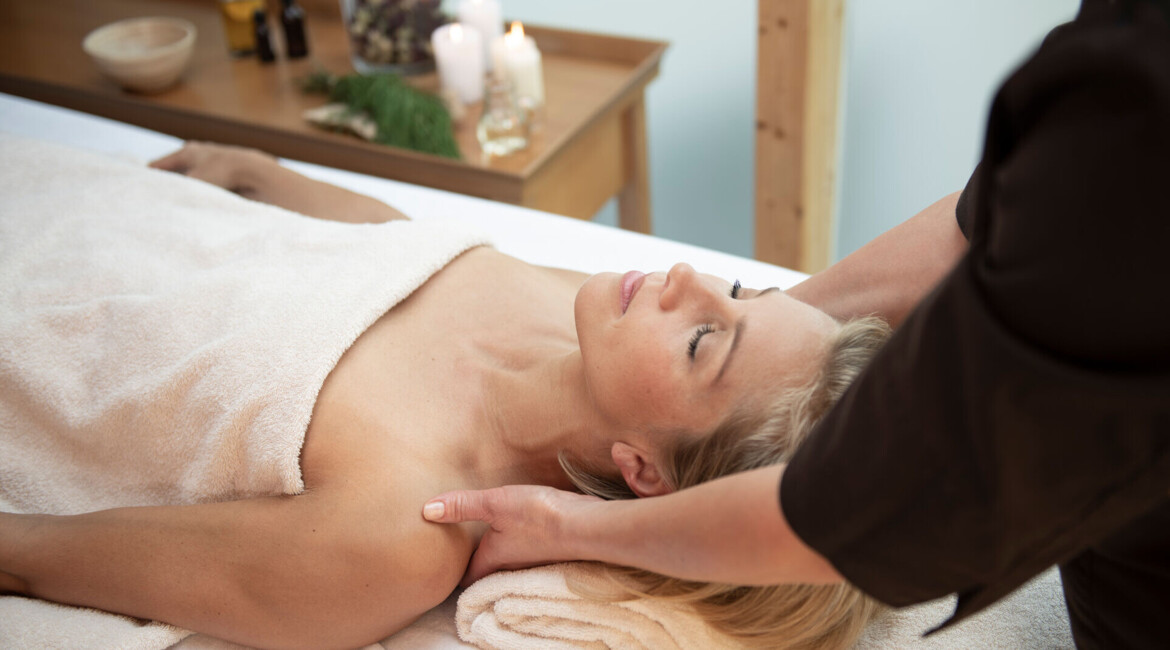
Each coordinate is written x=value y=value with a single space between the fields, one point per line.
x=917 y=81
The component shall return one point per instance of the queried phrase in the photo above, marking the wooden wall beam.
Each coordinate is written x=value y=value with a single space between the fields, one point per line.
x=798 y=76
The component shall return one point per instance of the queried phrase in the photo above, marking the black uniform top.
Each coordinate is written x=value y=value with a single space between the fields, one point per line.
x=1020 y=417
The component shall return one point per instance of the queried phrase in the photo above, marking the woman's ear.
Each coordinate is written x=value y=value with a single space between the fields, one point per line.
x=639 y=471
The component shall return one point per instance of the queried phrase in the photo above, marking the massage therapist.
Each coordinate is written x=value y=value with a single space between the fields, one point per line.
x=1020 y=416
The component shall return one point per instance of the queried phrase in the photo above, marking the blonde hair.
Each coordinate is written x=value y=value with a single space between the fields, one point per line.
x=778 y=616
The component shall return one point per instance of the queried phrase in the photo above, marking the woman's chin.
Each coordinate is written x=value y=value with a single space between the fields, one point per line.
x=598 y=303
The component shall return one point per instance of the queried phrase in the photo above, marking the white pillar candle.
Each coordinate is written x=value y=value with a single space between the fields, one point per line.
x=459 y=56
x=517 y=59
x=484 y=16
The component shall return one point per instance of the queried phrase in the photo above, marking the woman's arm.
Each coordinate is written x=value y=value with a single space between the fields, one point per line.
x=729 y=530
x=258 y=176
x=306 y=571
x=890 y=275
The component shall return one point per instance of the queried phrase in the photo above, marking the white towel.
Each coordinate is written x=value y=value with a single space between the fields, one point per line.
x=1033 y=616
x=535 y=608
x=163 y=341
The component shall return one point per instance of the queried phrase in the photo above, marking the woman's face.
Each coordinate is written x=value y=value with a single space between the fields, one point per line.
x=676 y=351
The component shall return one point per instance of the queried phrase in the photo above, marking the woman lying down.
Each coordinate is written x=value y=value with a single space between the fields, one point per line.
x=235 y=414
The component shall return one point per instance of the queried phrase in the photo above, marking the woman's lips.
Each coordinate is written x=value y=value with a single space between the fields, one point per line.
x=631 y=282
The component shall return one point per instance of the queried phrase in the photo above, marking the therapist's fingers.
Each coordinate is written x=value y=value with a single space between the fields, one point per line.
x=493 y=554
x=460 y=506
x=527 y=524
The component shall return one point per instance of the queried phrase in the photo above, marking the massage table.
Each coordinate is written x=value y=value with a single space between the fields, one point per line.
x=1032 y=617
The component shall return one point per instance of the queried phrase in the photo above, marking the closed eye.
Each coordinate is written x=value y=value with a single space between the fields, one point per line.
x=694 y=344
x=735 y=289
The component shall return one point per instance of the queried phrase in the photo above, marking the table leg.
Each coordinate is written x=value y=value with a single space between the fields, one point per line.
x=634 y=197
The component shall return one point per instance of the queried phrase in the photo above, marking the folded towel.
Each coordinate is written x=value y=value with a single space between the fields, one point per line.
x=535 y=608
x=163 y=341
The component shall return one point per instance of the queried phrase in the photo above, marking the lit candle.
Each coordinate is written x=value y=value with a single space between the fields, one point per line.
x=459 y=56
x=483 y=15
x=517 y=59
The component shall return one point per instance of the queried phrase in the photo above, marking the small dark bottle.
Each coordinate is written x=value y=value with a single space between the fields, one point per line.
x=292 y=19
x=263 y=44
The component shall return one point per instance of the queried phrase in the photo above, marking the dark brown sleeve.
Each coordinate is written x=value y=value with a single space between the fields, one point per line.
x=1022 y=412
x=963 y=210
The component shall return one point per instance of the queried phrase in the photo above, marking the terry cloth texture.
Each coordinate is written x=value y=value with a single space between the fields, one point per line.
x=163 y=341
x=537 y=609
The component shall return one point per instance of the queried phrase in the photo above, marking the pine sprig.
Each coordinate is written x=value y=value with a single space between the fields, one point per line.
x=406 y=117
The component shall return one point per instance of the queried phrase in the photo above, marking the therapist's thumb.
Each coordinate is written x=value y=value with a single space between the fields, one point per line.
x=459 y=506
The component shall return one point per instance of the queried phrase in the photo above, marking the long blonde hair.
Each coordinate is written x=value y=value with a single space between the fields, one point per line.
x=778 y=616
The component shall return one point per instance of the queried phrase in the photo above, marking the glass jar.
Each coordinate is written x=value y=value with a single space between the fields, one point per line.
x=391 y=35
x=503 y=126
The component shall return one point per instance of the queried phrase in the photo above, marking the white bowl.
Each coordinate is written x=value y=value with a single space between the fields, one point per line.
x=142 y=54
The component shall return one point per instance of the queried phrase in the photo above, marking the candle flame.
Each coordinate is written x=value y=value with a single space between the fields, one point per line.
x=456 y=33
x=515 y=35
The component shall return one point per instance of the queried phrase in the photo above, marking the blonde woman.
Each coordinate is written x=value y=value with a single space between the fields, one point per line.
x=493 y=372
x=1020 y=417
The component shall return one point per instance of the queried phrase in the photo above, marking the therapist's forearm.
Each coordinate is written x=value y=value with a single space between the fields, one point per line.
x=729 y=530
x=890 y=275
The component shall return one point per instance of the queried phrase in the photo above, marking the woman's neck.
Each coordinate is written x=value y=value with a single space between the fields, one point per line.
x=530 y=413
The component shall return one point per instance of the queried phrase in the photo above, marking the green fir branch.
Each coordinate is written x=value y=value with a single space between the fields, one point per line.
x=406 y=117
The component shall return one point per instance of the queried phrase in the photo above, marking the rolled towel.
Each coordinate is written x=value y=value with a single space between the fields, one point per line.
x=536 y=608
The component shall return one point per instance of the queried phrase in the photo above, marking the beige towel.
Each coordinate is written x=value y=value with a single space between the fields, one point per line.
x=162 y=341
x=535 y=608
x=1033 y=617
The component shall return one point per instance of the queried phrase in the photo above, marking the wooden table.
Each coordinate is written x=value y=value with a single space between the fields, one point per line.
x=590 y=148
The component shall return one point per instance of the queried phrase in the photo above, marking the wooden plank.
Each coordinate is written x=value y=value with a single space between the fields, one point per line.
x=634 y=199
x=796 y=130
x=822 y=110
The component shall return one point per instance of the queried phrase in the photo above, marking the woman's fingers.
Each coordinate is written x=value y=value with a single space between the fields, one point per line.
x=175 y=161
x=218 y=164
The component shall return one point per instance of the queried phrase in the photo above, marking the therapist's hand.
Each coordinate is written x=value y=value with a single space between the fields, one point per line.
x=529 y=525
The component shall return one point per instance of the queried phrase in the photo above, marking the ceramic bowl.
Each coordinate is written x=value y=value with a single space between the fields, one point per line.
x=145 y=55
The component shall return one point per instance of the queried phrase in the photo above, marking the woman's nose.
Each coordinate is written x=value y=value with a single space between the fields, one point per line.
x=681 y=281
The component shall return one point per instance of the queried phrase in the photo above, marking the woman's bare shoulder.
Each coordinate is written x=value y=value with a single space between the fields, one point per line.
x=396 y=565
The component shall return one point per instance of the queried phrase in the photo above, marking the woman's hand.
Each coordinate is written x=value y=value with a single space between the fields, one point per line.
x=528 y=525
x=240 y=170
x=258 y=176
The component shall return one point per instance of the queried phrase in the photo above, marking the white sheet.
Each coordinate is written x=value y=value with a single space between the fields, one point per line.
x=1033 y=617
